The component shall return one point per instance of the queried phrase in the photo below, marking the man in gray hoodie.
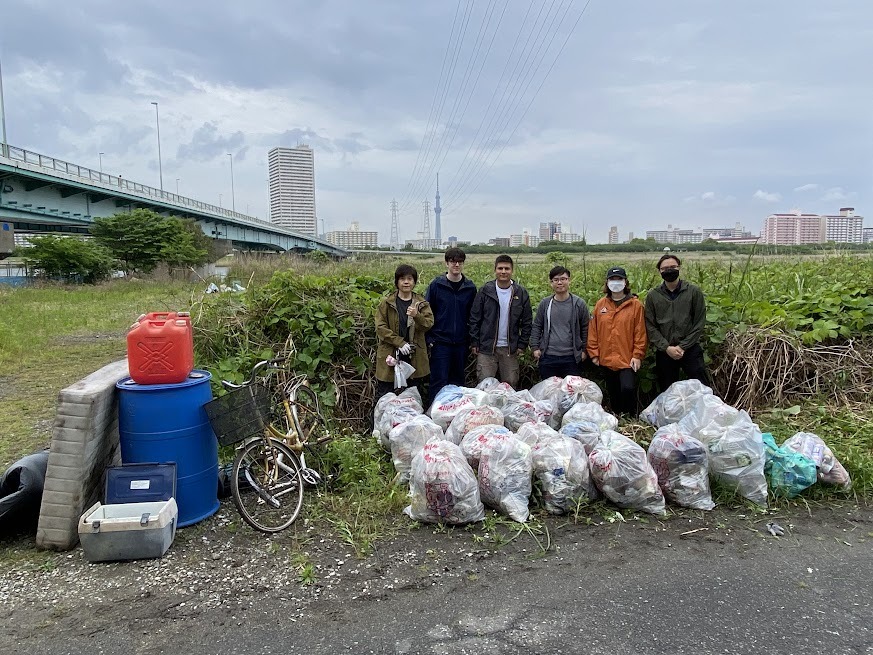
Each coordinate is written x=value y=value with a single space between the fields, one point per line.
x=560 y=329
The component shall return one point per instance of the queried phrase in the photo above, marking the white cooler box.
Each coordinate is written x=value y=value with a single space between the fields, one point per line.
x=139 y=518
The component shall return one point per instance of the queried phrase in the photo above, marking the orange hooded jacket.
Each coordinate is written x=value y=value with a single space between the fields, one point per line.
x=617 y=334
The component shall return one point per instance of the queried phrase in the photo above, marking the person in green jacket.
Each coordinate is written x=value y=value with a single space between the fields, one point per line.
x=402 y=319
x=675 y=318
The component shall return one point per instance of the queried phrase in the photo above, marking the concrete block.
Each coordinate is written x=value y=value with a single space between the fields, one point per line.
x=84 y=442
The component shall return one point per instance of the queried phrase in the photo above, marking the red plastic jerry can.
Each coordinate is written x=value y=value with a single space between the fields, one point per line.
x=160 y=348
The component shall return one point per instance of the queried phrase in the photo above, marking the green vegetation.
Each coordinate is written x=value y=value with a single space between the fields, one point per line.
x=67 y=259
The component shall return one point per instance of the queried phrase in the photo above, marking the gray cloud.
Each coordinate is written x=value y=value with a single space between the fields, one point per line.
x=206 y=143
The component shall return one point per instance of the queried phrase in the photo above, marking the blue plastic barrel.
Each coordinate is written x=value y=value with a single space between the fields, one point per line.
x=167 y=423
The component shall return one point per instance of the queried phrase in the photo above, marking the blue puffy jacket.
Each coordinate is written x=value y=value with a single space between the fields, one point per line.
x=451 y=310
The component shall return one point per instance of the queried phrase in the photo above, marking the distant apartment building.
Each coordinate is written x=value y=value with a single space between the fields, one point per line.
x=353 y=237
x=524 y=239
x=292 y=188
x=630 y=237
x=796 y=228
x=845 y=227
x=613 y=235
x=499 y=242
x=548 y=231
x=568 y=237
x=674 y=235
x=720 y=233
x=867 y=235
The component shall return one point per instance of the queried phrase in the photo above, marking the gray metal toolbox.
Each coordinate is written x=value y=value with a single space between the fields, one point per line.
x=139 y=518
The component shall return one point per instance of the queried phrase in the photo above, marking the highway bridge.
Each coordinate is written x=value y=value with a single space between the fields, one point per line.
x=39 y=193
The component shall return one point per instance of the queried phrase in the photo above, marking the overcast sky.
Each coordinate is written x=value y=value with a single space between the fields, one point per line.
x=694 y=113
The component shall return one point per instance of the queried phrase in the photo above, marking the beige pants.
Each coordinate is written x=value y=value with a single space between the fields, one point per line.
x=503 y=365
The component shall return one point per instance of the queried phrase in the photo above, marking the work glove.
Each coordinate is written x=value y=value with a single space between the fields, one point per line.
x=405 y=349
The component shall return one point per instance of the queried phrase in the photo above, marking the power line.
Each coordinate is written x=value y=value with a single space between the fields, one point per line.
x=455 y=117
x=442 y=100
x=570 y=33
x=516 y=89
x=436 y=96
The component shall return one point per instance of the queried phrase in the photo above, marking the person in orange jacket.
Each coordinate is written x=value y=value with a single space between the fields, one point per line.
x=617 y=340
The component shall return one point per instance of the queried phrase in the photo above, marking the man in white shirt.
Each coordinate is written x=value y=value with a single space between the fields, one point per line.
x=500 y=324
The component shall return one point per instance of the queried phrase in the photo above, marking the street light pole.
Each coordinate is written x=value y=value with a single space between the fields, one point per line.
x=4 y=146
x=100 y=155
x=177 y=186
x=232 y=192
x=158 y=125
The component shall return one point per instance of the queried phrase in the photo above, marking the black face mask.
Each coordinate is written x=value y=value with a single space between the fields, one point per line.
x=670 y=276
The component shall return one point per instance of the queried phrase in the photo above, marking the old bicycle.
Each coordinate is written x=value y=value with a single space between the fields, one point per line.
x=273 y=418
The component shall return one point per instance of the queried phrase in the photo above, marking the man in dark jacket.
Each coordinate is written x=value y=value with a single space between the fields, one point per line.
x=675 y=318
x=450 y=297
x=560 y=330
x=500 y=324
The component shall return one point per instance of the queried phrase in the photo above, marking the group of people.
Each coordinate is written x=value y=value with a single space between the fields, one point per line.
x=436 y=332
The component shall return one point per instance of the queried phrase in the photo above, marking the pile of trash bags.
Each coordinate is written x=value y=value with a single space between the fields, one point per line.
x=483 y=447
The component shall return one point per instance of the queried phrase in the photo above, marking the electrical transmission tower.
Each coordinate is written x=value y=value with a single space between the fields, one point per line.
x=395 y=233
x=425 y=229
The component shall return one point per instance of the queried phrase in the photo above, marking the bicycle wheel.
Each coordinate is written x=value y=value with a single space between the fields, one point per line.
x=272 y=498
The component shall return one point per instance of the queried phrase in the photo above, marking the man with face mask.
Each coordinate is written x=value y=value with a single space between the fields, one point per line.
x=675 y=318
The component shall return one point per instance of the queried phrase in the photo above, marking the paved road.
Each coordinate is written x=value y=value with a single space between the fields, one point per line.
x=611 y=589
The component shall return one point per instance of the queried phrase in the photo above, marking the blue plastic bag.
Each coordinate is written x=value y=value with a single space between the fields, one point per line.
x=788 y=472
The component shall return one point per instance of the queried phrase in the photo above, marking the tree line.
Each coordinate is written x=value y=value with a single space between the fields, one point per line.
x=133 y=242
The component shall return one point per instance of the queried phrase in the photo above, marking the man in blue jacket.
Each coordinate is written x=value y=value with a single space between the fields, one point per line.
x=500 y=324
x=451 y=298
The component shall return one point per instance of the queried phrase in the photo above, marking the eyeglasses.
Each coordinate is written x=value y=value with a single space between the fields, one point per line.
x=560 y=279
x=670 y=268
x=454 y=262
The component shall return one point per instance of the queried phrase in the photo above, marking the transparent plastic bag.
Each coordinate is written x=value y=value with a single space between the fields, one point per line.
x=519 y=410
x=682 y=466
x=531 y=433
x=622 y=472
x=734 y=446
x=487 y=384
x=472 y=417
x=585 y=432
x=830 y=470
x=407 y=439
x=561 y=467
x=788 y=471
x=674 y=403
x=482 y=438
x=505 y=471
x=547 y=389
x=392 y=410
x=443 y=487
x=451 y=400
x=402 y=373
x=498 y=395
x=590 y=412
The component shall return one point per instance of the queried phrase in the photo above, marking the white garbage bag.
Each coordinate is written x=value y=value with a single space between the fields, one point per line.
x=451 y=400
x=407 y=439
x=531 y=433
x=443 y=487
x=487 y=384
x=472 y=417
x=828 y=468
x=561 y=467
x=590 y=412
x=622 y=472
x=566 y=392
x=402 y=374
x=392 y=410
x=673 y=404
x=518 y=410
x=505 y=471
x=734 y=446
x=482 y=438
x=497 y=395
x=682 y=467
x=585 y=432
x=547 y=389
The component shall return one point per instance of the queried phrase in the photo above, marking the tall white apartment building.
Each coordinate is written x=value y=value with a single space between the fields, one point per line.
x=845 y=227
x=292 y=189
x=613 y=235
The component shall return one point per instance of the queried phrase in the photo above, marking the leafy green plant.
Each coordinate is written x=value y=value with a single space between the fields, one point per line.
x=69 y=259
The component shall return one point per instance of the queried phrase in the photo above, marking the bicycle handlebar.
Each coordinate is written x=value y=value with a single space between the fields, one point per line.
x=254 y=374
